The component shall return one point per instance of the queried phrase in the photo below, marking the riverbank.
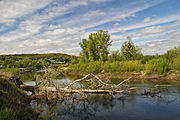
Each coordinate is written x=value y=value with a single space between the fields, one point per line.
x=14 y=104
x=173 y=77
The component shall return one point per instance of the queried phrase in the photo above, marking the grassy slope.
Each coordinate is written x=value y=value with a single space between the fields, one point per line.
x=13 y=103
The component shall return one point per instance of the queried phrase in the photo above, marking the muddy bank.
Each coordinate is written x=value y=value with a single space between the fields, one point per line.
x=134 y=76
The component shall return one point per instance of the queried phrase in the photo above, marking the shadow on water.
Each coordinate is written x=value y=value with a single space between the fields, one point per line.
x=163 y=106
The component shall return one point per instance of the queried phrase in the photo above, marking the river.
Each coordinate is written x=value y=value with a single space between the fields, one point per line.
x=162 y=106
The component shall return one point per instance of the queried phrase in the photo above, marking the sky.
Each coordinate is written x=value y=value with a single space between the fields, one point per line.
x=57 y=26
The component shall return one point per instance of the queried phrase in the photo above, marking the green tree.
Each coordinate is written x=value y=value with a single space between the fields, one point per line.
x=115 y=56
x=172 y=53
x=84 y=56
x=129 y=51
x=96 y=48
x=74 y=59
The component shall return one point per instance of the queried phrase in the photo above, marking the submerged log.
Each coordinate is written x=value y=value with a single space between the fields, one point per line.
x=48 y=88
x=89 y=91
x=65 y=90
x=28 y=87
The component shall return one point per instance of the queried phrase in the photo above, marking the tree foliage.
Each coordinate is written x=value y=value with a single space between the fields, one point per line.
x=115 y=56
x=172 y=54
x=96 y=47
x=129 y=51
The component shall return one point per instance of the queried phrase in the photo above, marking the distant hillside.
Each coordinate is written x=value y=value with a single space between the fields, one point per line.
x=36 y=56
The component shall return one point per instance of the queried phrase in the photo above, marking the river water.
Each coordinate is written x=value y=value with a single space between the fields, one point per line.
x=161 y=106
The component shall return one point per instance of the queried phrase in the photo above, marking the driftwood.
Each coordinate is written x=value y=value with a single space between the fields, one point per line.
x=103 y=83
x=49 y=88
x=28 y=87
x=65 y=90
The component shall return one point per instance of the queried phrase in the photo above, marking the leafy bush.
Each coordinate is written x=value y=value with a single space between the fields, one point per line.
x=92 y=67
x=6 y=114
x=129 y=66
x=126 y=66
x=158 y=65
x=176 y=63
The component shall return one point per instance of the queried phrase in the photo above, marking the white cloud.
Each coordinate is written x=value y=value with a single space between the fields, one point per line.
x=53 y=27
x=41 y=32
x=149 y=31
x=96 y=13
x=99 y=1
x=111 y=15
x=118 y=38
x=86 y=34
x=116 y=24
x=12 y=9
x=156 y=21
x=148 y=19
x=55 y=32
x=177 y=22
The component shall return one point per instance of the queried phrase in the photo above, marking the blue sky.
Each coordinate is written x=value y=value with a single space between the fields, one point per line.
x=57 y=26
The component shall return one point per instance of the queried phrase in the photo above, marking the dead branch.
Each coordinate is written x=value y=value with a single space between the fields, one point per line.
x=123 y=81
x=77 y=81
x=99 y=80
x=103 y=83
x=98 y=86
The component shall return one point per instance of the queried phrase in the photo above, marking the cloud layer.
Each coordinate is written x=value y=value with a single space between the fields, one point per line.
x=46 y=26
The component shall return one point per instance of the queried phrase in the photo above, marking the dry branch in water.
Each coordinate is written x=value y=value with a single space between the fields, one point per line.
x=103 y=83
x=50 y=89
x=109 y=88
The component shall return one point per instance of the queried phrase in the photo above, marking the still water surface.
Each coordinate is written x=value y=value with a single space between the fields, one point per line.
x=162 y=106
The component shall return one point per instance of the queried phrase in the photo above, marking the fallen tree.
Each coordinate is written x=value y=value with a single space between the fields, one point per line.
x=50 y=89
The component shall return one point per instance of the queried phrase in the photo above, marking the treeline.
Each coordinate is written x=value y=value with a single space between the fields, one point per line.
x=16 y=64
x=95 y=57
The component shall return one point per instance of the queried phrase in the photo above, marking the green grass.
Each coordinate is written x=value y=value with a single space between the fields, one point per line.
x=14 y=105
x=158 y=65
x=99 y=66
x=176 y=63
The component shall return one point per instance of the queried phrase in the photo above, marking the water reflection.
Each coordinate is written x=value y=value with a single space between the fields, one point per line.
x=165 y=105
x=78 y=108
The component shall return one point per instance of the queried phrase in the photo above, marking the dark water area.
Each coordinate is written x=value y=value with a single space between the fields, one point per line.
x=161 y=106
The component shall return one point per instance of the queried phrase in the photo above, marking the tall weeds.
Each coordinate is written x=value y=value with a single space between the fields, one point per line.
x=99 y=66
x=176 y=63
x=158 y=65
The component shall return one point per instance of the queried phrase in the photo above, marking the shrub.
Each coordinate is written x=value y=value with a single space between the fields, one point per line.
x=107 y=66
x=10 y=71
x=92 y=67
x=158 y=65
x=6 y=114
x=115 y=66
x=98 y=66
x=130 y=66
x=176 y=63
x=126 y=66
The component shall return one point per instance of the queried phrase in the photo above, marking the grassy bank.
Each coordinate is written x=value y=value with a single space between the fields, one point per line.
x=154 y=69
x=159 y=66
x=14 y=105
x=153 y=77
